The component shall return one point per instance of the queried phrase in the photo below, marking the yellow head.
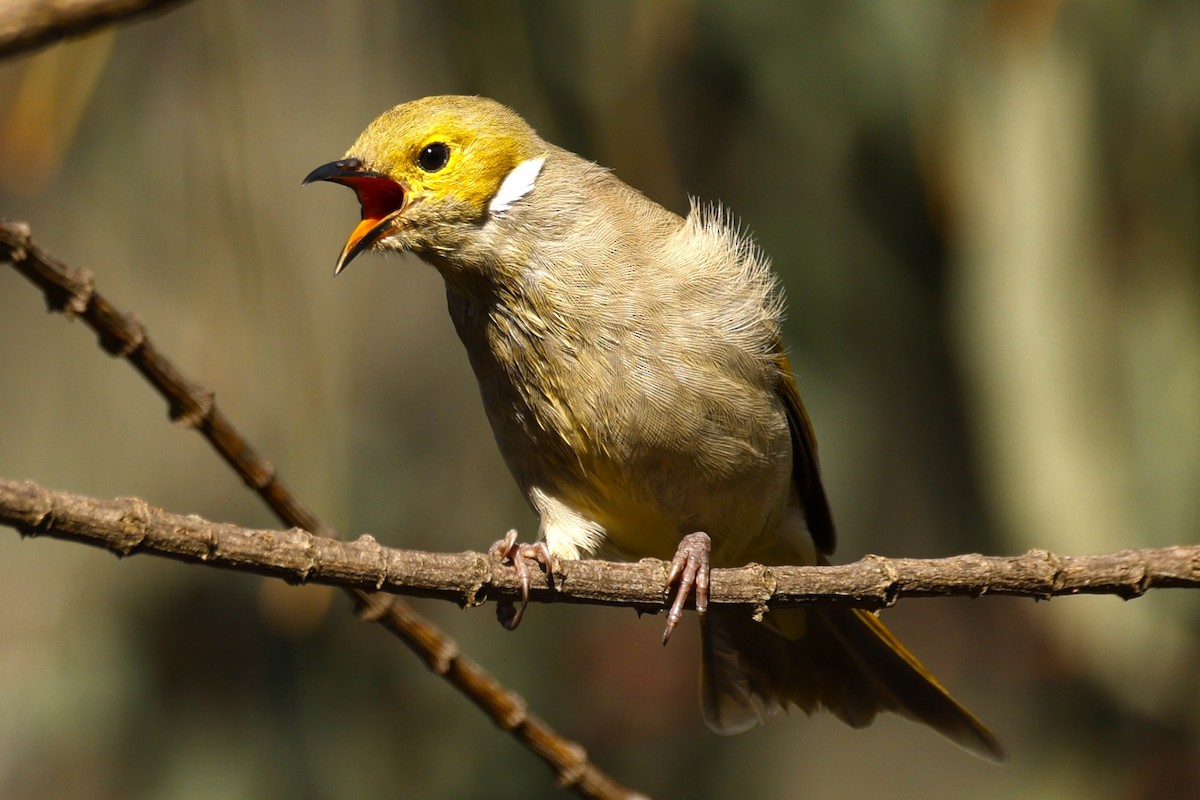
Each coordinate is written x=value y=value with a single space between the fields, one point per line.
x=426 y=169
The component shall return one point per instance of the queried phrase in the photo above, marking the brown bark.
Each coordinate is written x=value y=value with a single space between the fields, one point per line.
x=31 y=24
x=127 y=526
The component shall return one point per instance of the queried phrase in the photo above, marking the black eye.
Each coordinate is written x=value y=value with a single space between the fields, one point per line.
x=433 y=156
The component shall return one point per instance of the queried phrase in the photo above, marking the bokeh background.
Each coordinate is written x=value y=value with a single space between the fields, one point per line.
x=987 y=219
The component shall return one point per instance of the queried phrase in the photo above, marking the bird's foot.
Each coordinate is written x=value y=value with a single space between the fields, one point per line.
x=507 y=549
x=690 y=569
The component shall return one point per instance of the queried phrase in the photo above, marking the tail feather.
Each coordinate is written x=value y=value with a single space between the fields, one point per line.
x=841 y=660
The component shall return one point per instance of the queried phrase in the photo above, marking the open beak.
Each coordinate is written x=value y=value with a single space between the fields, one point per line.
x=380 y=198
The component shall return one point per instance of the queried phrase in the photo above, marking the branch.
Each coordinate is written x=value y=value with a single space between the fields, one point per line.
x=33 y=24
x=127 y=526
x=72 y=292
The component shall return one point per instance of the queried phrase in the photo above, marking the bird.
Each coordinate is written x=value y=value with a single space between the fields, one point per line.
x=631 y=365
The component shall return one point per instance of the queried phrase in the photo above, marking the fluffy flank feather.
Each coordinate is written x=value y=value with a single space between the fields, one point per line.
x=742 y=285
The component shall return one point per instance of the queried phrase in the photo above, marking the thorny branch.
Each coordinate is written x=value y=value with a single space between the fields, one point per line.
x=72 y=292
x=127 y=526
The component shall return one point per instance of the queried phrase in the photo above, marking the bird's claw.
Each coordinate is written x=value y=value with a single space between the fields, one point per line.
x=508 y=549
x=690 y=568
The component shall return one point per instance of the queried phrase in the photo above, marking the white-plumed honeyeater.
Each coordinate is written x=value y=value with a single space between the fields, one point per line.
x=631 y=367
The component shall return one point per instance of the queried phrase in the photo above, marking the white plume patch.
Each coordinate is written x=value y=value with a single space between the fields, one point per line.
x=517 y=184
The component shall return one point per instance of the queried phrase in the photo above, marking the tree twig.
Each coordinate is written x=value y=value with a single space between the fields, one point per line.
x=31 y=24
x=72 y=292
x=127 y=526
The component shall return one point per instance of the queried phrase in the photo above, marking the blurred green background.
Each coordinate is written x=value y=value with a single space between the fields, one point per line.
x=987 y=218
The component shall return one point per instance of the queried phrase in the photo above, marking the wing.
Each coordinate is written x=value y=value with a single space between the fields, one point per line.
x=806 y=471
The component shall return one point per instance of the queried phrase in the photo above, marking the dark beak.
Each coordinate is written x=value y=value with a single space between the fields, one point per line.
x=380 y=198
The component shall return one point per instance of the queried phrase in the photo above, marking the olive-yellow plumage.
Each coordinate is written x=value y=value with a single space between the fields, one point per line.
x=631 y=367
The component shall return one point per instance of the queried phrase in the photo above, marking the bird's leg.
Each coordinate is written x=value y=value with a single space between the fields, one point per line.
x=507 y=549
x=690 y=568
